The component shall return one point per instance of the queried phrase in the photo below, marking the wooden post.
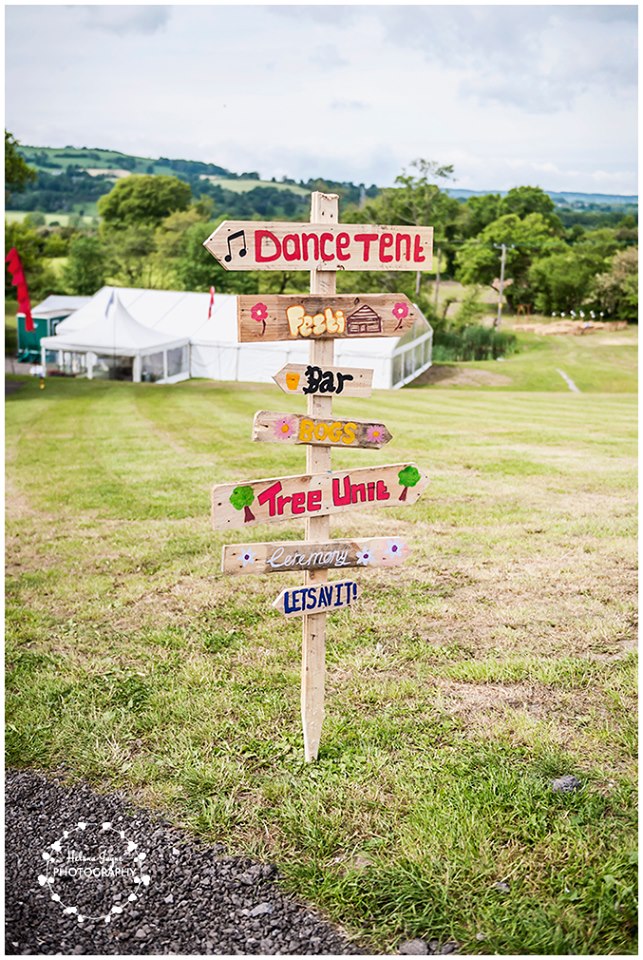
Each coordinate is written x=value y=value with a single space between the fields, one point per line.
x=324 y=209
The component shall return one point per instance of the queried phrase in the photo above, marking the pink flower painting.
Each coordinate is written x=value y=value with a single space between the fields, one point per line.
x=400 y=312
x=374 y=434
x=259 y=313
x=285 y=427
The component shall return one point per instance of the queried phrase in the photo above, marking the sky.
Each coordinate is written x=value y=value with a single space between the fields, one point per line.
x=510 y=95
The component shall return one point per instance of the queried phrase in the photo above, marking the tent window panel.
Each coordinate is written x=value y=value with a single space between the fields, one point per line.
x=152 y=367
x=112 y=367
x=397 y=369
x=177 y=361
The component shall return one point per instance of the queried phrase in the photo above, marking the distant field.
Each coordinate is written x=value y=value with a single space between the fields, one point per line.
x=107 y=161
x=602 y=362
x=242 y=186
x=80 y=157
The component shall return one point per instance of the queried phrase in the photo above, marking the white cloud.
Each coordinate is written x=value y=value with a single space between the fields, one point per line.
x=507 y=94
x=125 y=19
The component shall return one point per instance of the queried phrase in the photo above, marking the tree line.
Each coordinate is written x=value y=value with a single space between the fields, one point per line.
x=151 y=229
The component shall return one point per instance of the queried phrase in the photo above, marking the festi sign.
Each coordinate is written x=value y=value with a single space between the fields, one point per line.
x=286 y=317
x=249 y=245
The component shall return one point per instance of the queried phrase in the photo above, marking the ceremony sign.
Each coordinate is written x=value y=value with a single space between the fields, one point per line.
x=295 y=428
x=321 y=247
x=267 y=318
x=313 y=379
x=309 y=600
x=290 y=555
x=250 y=245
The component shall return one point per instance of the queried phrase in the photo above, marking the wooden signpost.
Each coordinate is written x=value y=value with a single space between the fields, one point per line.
x=267 y=318
x=295 y=428
x=312 y=379
x=322 y=247
x=288 y=555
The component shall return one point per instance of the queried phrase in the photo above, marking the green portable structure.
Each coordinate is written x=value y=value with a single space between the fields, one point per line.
x=46 y=317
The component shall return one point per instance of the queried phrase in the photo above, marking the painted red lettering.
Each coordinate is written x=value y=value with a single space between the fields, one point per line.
x=282 y=503
x=386 y=241
x=343 y=243
x=299 y=502
x=418 y=256
x=367 y=239
x=314 y=500
x=295 y=252
x=341 y=499
x=323 y=240
x=306 y=239
x=358 y=490
x=269 y=495
x=259 y=238
x=382 y=491
x=399 y=239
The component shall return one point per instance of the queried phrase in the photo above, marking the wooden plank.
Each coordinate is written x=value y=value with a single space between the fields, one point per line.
x=295 y=428
x=322 y=378
x=314 y=495
x=302 y=556
x=324 y=208
x=316 y=598
x=325 y=246
x=267 y=318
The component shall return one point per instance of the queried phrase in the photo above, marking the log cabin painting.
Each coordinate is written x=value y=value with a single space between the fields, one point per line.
x=363 y=322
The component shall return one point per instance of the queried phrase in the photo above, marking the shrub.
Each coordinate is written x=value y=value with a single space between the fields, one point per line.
x=472 y=343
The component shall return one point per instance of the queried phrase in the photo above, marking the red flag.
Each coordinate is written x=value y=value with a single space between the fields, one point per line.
x=18 y=280
x=211 y=302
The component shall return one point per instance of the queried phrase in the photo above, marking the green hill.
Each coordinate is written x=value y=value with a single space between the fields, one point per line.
x=71 y=180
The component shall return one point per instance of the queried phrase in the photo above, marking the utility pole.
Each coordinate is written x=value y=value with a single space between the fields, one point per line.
x=503 y=259
x=437 y=278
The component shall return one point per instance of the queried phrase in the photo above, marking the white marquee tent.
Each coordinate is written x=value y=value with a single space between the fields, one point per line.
x=216 y=353
x=113 y=345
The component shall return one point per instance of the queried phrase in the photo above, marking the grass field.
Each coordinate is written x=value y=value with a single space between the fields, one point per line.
x=604 y=362
x=242 y=186
x=502 y=656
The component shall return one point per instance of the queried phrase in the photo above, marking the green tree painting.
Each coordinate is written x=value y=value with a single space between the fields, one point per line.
x=242 y=498
x=408 y=477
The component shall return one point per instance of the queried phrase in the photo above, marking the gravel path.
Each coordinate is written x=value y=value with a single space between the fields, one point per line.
x=197 y=900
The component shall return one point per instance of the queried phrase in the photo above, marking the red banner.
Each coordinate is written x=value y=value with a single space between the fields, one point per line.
x=18 y=280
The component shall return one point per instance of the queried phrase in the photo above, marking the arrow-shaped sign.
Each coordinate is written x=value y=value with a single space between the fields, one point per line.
x=317 y=598
x=251 y=245
x=265 y=318
x=311 y=379
x=304 y=556
x=296 y=428
x=312 y=495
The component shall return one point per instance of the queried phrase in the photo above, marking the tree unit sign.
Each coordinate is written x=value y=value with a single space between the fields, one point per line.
x=286 y=498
